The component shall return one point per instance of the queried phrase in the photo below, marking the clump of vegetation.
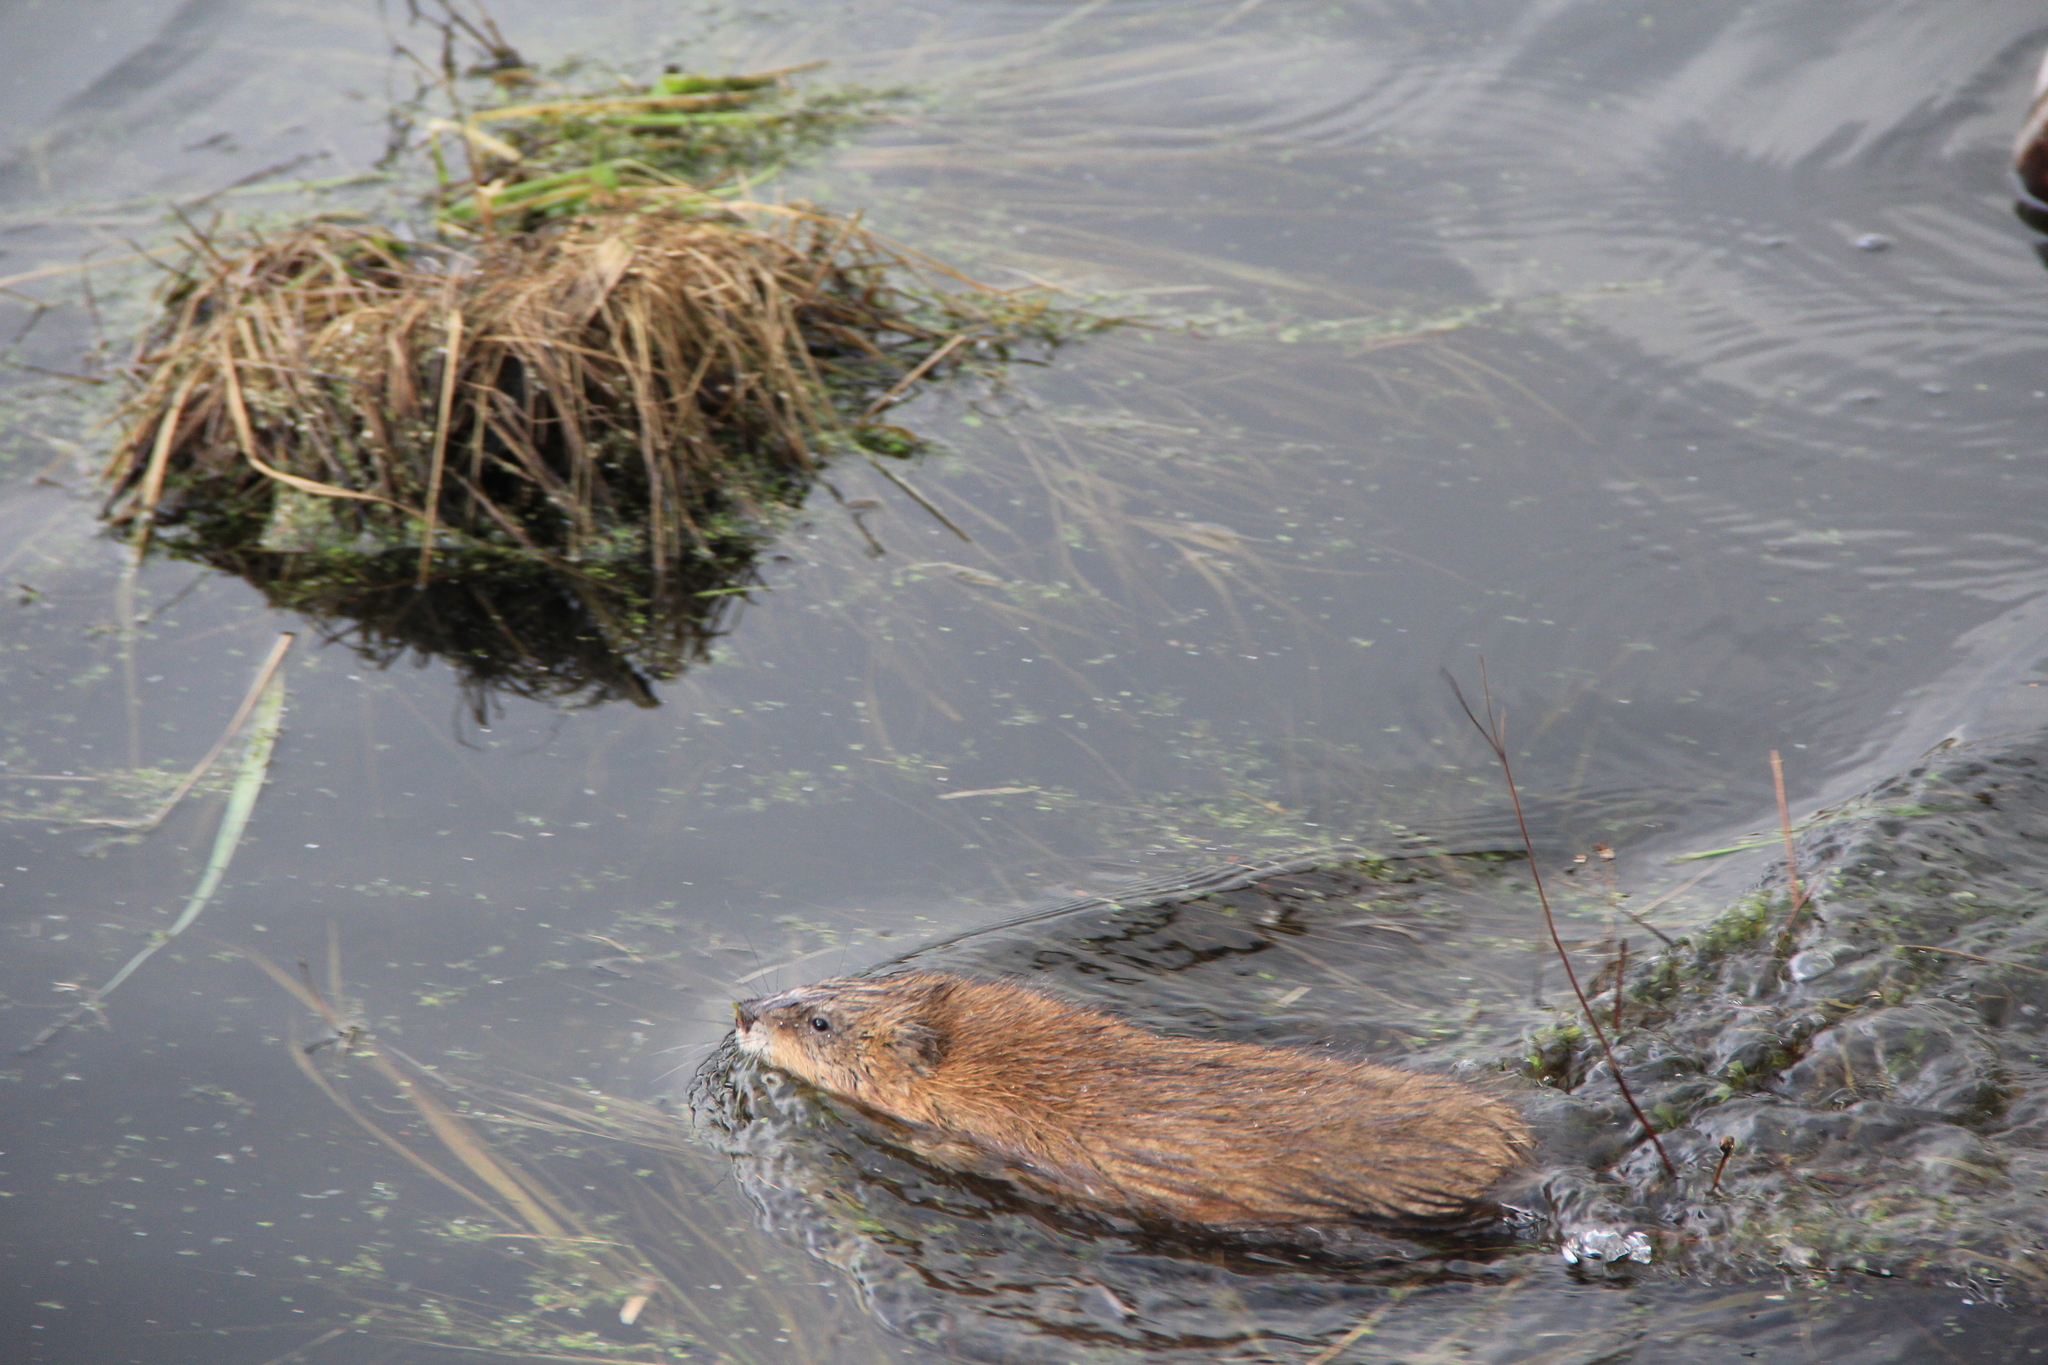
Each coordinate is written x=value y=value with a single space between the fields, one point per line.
x=683 y=137
x=1550 y=1051
x=1740 y=926
x=547 y=440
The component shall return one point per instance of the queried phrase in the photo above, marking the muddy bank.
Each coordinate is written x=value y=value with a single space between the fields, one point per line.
x=1880 y=1075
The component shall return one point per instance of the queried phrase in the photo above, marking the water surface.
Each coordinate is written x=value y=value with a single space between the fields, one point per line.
x=1680 y=361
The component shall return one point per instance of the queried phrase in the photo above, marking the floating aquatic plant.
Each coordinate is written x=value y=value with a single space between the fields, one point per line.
x=683 y=137
x=545 y=437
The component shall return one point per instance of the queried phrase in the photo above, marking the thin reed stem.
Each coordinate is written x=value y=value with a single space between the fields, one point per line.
x=1620 y=976
x=1494 y=730
x=451 y=365
x=1791 y=861
x=1727 y=1150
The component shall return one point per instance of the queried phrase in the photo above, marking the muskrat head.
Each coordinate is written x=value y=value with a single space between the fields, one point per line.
x=868 y=1040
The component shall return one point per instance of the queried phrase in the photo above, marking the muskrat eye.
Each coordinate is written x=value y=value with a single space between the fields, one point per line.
x=821 y=1023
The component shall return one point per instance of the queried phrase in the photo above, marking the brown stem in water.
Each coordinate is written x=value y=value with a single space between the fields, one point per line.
x=1727 y=1150
x=1791 y=863
x=897 y=390
x=1494 y=730
x=1620 y=975
x=450 y=368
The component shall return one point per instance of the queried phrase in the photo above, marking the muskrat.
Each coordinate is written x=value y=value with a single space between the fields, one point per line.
x=1083 y=1108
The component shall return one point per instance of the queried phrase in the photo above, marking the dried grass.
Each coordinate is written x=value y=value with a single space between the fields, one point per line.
x=622 y=365
x=623 y=404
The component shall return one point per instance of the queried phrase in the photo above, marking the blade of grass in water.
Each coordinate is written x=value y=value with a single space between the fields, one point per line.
x=185 y=784
x=1743 y=847
x=305 y=995
x=534 y=1207
x=255 y=766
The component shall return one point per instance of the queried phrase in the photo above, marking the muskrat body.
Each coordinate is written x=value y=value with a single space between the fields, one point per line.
x=1084 y=1108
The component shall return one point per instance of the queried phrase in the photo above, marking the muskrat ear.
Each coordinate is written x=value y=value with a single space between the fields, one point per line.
x=935 y=990
x=920 y=1046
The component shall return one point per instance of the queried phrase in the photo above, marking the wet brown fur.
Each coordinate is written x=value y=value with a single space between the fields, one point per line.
x=1081 y=1107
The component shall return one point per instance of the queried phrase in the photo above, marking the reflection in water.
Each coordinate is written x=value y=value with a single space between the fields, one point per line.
x=528 y=630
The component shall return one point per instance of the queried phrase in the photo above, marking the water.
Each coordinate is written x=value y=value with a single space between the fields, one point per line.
x=1531 y=331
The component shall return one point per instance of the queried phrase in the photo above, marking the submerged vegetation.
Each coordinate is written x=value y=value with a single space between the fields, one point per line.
x=546 y=439
x=584 y=1220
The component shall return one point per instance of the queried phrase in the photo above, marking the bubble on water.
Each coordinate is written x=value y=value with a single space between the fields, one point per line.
x=1604 y=1245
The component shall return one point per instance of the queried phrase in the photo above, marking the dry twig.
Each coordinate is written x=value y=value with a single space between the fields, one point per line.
x=1494 y=730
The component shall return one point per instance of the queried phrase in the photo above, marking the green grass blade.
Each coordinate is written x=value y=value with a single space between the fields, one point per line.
x=255 y=768
x=249 y=778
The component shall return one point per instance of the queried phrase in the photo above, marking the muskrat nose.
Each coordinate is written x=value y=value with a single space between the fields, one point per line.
x=744 y=1012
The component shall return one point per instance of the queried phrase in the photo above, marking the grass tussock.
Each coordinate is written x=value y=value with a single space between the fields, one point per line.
x=606 y=416
x=625 y=375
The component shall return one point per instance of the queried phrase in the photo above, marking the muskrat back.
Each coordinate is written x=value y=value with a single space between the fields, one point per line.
x=1078 y=1106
